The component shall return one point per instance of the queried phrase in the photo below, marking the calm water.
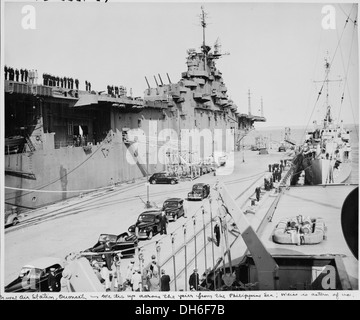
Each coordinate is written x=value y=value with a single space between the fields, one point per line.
x=297 y=134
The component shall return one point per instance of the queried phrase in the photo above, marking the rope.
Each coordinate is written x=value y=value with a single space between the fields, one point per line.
x=314 y=70
x=348 y=16
x=57 y=191
x=323 y=83
x=67 y=173
x=346 y=69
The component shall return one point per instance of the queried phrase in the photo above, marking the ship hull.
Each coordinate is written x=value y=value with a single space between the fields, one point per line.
x=323 y=171
x=66 y=172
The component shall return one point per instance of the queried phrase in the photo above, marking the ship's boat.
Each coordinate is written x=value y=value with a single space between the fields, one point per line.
x=299 y=231
x=300 y=253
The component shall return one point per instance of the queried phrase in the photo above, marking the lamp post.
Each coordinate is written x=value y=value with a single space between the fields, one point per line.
x=141 y=263
x=203 y=220
x=147 y=184
x=243 y=147
x=173 y=254
x=194 y=222
x=185 y=249
x=147 y=175
x=158 y=248
x=212 y=242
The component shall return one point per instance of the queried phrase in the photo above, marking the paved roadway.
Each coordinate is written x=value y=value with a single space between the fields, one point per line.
x=75 y=224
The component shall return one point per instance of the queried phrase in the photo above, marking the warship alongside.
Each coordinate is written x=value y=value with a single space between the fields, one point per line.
x=289 y=238
x=325 y=156
x=61 y=142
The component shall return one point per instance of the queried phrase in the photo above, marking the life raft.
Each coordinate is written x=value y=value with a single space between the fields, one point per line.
x=299 y=230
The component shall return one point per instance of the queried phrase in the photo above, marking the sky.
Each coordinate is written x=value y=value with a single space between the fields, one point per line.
x=276 y=50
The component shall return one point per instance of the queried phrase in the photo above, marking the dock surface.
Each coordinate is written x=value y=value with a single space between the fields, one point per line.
x=75 y=224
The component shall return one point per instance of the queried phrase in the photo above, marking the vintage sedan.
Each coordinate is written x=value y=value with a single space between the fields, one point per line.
x=147 y=224
x=199 y=191
x=123 y=242
x=11 y=218
x=282 y=148
x=222 y=160
x=174 y=208
x=34 y=276
x=163 y=177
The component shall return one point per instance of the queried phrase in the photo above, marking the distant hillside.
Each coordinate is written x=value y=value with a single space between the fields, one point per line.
x=263 y=128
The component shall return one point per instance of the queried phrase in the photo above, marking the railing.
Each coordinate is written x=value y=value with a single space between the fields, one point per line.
x=192 y=246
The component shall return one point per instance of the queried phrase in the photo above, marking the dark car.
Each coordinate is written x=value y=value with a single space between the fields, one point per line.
x=124 y=242
x=174 y=208
x=34 y=276
x=282 y=148
x=199 y=191
x=207 y=167
x=147 y=224
x=163 y=177
x=11 y=218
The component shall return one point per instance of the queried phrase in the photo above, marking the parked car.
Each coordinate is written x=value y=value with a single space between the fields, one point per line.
x=34 y=276
x=147 y=224
x=174 y=208
x=11 y=218
x=124 y=242
x=282 y=148
x=199 y=191
x=163 y=177
x=203 y=168
x=207 y=167
x=222 y=160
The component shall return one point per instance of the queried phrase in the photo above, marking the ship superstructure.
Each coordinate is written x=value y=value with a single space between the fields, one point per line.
x=326 y=154
x=62 y=141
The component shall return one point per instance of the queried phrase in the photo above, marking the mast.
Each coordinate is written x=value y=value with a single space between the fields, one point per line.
x=328 y=110
x=249 y=99
x=262 y=108
x=327 y=119
x=203 y=24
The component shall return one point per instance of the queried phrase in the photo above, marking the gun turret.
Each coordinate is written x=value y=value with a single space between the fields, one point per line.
x=156 y=82
x=147 y=82
x=168 y=78
x=162 y=83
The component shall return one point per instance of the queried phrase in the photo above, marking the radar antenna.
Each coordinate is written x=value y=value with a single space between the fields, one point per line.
x=328 y=117
x=205 y=49
x=217 y=46
x=203 y=24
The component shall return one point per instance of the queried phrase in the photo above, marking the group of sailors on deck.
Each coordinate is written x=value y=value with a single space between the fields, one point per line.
x=22 y=75
x=31 y=76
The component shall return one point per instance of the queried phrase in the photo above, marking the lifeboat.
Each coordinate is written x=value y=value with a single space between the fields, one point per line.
x=300 y=231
